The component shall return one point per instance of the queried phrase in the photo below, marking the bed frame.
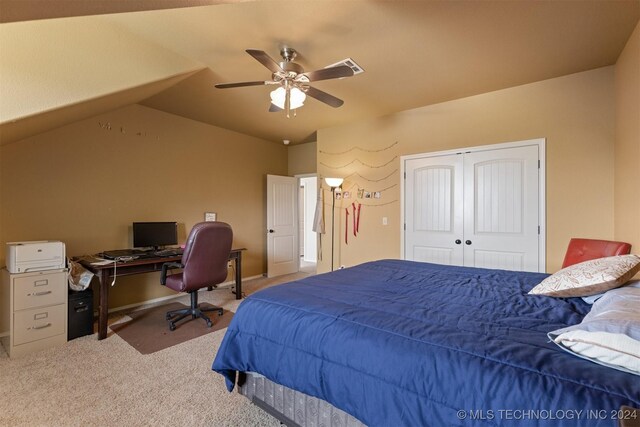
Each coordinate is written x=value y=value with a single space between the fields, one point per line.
x=291 y=407
x=295 y=409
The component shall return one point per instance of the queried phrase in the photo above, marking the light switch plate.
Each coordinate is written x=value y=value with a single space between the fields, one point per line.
x=210 y=216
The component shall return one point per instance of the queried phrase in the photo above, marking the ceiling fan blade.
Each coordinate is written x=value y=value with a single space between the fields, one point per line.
x=262 y=57
x=274 y=108
x=329 y=73
x=324 y=97
x=241 y=84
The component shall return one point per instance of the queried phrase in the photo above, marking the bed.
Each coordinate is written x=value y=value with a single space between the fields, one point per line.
x=396 y=342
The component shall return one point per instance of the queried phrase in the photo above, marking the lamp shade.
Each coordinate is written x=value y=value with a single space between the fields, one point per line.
x=296 y=100
x=334 y=182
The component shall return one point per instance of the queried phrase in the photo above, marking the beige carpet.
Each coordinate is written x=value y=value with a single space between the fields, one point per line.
x=106 y=383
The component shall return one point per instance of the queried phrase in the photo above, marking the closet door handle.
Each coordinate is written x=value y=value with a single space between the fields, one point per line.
x=458 y=241
x=271 y=231
x=468 y=242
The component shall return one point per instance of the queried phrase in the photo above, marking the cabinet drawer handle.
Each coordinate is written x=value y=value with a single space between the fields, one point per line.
x=39 y=294
x=41 y=326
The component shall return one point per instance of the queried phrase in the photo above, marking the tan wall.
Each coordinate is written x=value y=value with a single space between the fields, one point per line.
x=574 y=113
x=85 y=184
x=627 y=147
x=302 y=158
x=2 y=255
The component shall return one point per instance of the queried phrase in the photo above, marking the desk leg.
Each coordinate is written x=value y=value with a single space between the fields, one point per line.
x=239 y=276
x=103 y=312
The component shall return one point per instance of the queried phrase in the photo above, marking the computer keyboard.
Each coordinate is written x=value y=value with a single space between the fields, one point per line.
x=142 y=255
x=168 y=252
x=119 y=253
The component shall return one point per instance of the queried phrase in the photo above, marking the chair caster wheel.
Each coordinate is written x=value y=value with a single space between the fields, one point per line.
x=220 y=313
x=172 y=327
x=209 y=324
x=167 y=317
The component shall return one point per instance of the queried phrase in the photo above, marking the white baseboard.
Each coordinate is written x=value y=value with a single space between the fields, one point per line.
x=227 y=284
x=138 y=304
x=259 y=276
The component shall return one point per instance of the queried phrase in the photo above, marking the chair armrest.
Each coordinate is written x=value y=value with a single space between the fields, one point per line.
x=166 y=266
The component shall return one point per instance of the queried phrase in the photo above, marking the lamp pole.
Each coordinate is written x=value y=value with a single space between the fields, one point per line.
x=333 y=183
x=333 y=222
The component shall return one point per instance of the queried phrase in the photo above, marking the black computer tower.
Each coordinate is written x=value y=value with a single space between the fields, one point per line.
x=80 y=320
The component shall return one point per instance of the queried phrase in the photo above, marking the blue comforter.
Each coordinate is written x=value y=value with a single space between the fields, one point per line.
x=405 y=343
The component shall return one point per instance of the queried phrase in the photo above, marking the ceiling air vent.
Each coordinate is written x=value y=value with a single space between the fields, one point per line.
x=349 y=63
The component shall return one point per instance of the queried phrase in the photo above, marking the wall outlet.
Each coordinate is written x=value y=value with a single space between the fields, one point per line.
x=230 y=264
x=385 y=220
x=210 y=216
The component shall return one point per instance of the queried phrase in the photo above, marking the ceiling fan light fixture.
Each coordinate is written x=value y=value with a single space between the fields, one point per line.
x=296 y=100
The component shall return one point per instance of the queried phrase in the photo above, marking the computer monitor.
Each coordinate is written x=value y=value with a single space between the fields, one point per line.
x=156 y=234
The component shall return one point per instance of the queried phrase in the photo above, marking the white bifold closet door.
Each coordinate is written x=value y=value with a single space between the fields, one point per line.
x=477 y=209
x=433 y=210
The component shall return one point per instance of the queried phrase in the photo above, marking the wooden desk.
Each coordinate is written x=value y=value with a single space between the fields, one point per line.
x=140 y=266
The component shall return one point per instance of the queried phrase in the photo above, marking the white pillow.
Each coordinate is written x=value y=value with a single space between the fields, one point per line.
x=609 y=334
x=589 y=277
x=593 y=298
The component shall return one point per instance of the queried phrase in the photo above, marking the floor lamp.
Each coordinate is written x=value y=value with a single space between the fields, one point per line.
x=333 y=183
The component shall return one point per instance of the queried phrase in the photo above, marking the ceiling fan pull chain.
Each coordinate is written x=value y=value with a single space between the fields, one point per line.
x=287 y=99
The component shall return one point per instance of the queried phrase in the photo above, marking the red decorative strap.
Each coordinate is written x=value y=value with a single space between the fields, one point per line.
x=355 y=225
x=346 y=228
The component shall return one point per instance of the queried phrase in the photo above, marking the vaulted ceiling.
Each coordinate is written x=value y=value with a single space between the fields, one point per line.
x=84 y=57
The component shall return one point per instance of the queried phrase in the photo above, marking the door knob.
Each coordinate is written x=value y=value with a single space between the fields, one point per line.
x=458 y=241
x=468 y=242
x=271 y=231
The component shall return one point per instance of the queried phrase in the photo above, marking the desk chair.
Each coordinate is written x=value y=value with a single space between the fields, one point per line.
x=203 y=264
x=581 y=250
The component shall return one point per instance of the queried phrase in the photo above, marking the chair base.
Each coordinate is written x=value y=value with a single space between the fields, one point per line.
x=194 y=311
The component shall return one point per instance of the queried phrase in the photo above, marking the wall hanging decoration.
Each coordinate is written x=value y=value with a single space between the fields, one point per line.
x=356 y=174
x=107 y=126
x=360 y=177
x=346 y=227
x=366 y=150
x=361 y=162
x=356 y=217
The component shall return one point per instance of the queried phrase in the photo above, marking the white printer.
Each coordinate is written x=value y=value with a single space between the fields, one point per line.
x=24 y=257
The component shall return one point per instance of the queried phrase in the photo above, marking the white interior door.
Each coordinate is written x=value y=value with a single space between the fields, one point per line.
x=282 y=225
x=501 y=209
x=433 y=210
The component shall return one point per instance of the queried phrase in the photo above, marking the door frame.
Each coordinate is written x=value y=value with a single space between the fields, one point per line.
x=309 y=175
x=542 y=195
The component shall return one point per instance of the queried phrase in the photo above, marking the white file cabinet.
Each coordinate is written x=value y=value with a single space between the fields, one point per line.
x=35 y=306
